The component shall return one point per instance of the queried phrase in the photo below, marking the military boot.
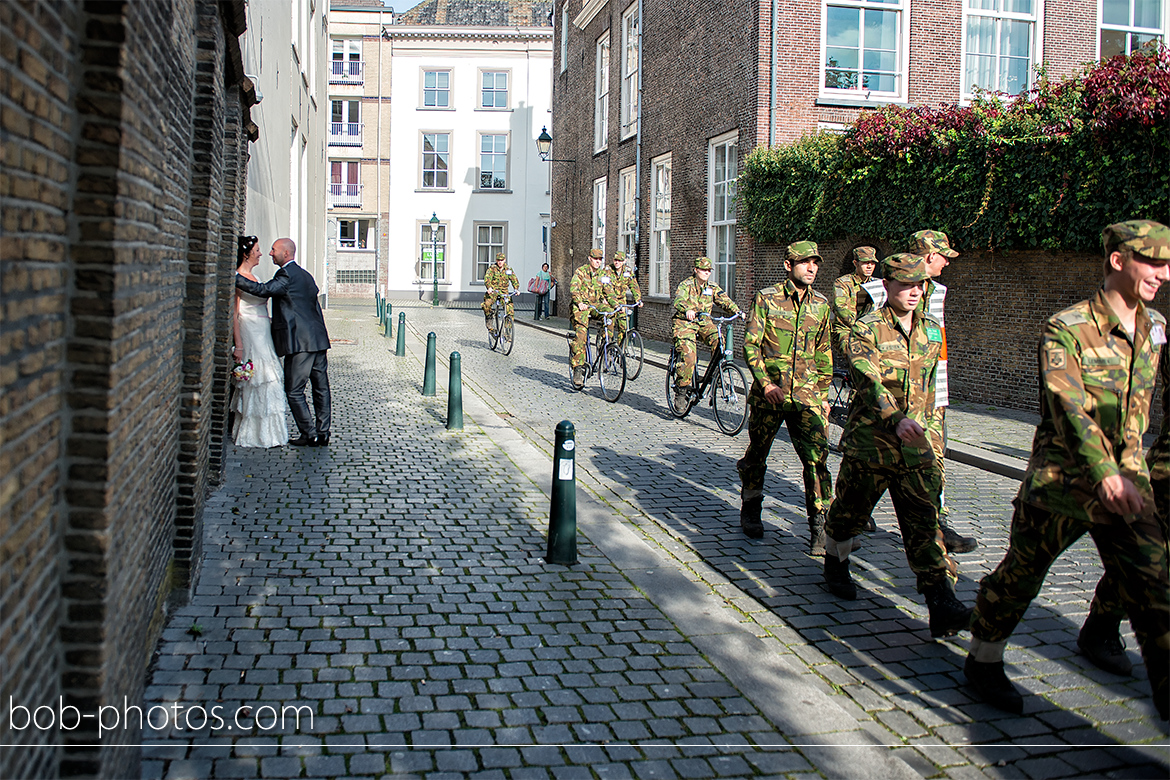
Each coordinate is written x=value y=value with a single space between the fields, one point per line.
x=992 y=685
x=1100 y=641
x=579 y=377
x=816 y=534
x=952 y=540
x=749 y=517
x=837 y=578
x=948 y=616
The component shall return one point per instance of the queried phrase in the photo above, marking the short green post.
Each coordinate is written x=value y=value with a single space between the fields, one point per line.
x=562 y=515
x=400 y=346
x=730 y=350
x=455 y=396
x=387 y=331
x=388 y=321
x=429 y=371
x=378 y=302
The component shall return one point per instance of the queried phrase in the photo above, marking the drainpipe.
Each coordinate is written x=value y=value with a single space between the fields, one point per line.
x=638 y=168
x=772 y=81
x=378 y=173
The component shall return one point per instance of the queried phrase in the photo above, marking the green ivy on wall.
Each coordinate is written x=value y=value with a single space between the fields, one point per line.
x=1046 y=169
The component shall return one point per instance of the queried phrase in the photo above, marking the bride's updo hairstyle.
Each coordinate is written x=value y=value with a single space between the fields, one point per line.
x=244 y=245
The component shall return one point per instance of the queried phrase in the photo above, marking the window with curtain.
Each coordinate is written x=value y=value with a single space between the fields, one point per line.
x=998 y=45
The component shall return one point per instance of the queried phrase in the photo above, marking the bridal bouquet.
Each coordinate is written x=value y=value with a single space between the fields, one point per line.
x=242 y=372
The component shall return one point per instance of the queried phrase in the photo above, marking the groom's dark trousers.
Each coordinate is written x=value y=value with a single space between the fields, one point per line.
x=301 y=368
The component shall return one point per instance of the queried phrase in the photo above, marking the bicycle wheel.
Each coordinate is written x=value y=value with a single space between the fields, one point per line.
x=494 y=330
x=632 y=347
x=729 y=397
x=507 y=335
x=612 y=376
x=676 y=411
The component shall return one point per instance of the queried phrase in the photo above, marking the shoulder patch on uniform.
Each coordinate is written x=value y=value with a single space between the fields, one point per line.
x=931 y=319
x=1156 y=316
x=768 y=291
x=1070 y=317
x=873 y=316
x=1054 y=358
x=820 y=297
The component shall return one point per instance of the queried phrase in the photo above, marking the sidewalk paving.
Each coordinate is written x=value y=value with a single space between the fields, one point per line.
x=395 y=584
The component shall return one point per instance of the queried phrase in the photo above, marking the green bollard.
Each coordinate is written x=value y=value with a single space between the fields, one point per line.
x=429 y=371
x=387 y=331
x=455 y=396
x=400 y=346
x=388 y=314
x=562 y=514
x=730 y=343
x=378 y=304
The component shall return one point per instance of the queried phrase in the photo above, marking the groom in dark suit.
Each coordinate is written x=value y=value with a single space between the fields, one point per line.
x=299 y=336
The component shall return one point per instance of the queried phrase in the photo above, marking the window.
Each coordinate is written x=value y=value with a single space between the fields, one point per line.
x=723 y=167
x=436 y=89
x=864 y=47
x=344 y=188
x=628 y=212
x=346 y=66
x=493 y=162
x=601 y=96
x=998 y=45
x=367 y=276
x=1127 y=24
x=493 y=89
x=354 y=233
x=429 y=245
x=630 y=71
x=345 y=129
x=599 y=214
x=489 y=240
x=435 y=160
x=564 y=36
x=660 y=227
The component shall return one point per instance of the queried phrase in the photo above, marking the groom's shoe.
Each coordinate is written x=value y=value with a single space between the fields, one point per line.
x=322 y=440
x=303 y=441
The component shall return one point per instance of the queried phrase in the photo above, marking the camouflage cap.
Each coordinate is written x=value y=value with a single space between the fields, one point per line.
x=906 y=268
x=501 y=256
x=802 y=250
x=596 y=253
x=926 y=241
x=865 y=254
x=619 y=257
x=703 y=264
x=1144 y=236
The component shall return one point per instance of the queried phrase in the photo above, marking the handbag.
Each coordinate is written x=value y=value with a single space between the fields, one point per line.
x=532 y=284
x=537 y=285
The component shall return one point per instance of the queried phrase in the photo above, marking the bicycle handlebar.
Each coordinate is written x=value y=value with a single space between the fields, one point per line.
x=738 y=316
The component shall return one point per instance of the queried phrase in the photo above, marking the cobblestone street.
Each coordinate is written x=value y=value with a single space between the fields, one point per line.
x=394 y=584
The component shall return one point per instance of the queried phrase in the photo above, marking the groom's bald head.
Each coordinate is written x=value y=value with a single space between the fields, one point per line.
x=283 y=251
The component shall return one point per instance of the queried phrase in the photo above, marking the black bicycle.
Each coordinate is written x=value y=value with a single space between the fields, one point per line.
x=725 y=380
x=604 y=358
x=840 y=396
x=632 y=345
x=502 y=331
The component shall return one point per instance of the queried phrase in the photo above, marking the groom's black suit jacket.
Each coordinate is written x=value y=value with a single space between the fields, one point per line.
x=297 y=322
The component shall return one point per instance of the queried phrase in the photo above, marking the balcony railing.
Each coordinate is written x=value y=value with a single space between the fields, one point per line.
x=346 y=196
x=345 y=133
x=346 y=72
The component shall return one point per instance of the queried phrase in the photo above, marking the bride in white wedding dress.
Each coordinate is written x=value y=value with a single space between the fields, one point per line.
x=260 y=401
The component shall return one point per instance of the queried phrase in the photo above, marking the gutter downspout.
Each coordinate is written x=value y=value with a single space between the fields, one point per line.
x=772 y=81
x=378 y=170
x=638 y=166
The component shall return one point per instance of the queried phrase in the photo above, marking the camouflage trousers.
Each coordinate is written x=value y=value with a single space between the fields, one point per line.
x=618 y=326
x=489 y=300
x=806 y=429
x=1134 y=556
x=915 y=493
x=580 y=321
x=685 y=334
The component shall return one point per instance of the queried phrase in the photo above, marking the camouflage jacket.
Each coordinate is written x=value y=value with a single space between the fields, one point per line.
x=693 y=295
x=1095 y=391
x=786 y=343
x=850 y=300
x=496 y=279
x=585 y=286
x=1158 y=458
x=893 y=378
x=620 y=283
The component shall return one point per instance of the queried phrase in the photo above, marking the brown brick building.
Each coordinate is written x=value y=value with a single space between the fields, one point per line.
x=124 y=129
x=655 y=104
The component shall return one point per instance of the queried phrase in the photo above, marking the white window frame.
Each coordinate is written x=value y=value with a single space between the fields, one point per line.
x=659 y=276
x=422 y=160
x=598 y=239
x=425 y=274
x=484 y=260
x=422 y=89
x=630 y=93
x=362 y=229
x=601 y=94
x=627 y=212
x=1131 y=29
x=721 y=216
x=347 y=191
x=1000 y=16
x=564 y=36
x=902 y=56
x=347 y=131
x=506 y=154
x=507 y=90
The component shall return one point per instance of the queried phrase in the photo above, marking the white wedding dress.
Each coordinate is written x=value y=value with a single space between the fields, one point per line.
x=260 y=402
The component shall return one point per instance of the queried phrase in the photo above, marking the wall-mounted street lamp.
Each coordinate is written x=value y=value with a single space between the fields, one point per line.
x=544 y=146
x=435 y=255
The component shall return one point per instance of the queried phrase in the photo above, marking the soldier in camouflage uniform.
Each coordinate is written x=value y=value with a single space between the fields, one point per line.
x=585 y=290
x=786 y=346
x=850 y=300
x=888 y=444
x=694 y=296
x=496 y=280
x=1087 y=472
x=621 y=282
